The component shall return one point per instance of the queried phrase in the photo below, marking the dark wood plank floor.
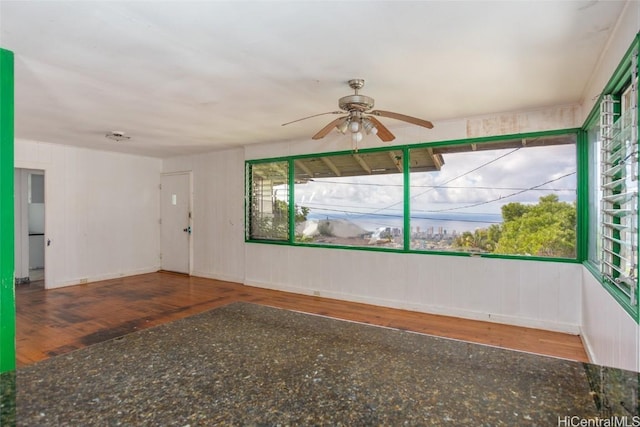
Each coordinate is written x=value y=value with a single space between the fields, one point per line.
x=52 y=322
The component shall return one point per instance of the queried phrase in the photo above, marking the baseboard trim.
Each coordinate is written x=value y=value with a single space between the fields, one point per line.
x=98 y=278
x=216 y=276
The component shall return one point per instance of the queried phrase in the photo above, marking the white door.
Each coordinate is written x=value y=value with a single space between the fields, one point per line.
x=175 y=211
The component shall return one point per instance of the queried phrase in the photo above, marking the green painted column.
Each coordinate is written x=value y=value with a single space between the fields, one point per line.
x=7 y=280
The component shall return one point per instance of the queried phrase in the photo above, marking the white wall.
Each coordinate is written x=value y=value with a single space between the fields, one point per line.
x=612 y=338
x=535 y=294
x=610 y=335
x=102 y=211
x=218 y=212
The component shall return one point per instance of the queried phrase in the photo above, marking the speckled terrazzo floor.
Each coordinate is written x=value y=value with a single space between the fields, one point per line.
x=245 y=364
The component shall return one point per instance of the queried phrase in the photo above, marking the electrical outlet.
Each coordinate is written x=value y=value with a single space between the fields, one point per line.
x=84 y=281
x=316 y=293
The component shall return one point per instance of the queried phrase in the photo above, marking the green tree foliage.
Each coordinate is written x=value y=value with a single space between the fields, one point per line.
x=513 y=211
x=301 y=214
x=481 y=240
x=547 y=228
x=276 y=226
x=474 y=242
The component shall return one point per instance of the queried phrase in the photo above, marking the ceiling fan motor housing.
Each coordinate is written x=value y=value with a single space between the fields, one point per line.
x=360 y=103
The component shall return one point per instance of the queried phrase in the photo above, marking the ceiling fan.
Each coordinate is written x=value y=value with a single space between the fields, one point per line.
x=361 y=118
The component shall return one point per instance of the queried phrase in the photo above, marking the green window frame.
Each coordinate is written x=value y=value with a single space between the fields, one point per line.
x=7 y=283
x=406 y=162
x=612 y=143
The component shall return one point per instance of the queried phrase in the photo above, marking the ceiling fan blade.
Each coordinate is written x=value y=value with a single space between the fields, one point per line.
x=383 y=133
x=404 y=118
x=328 y=128
x=315 y=115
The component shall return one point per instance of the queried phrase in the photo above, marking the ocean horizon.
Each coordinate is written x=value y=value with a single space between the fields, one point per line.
x=451 y=222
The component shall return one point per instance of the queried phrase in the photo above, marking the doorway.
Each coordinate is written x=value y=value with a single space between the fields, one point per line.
x=29 y=214
x=175 y=222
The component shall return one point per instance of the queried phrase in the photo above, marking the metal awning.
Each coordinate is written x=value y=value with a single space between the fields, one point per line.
x=371 y=163
x=422 y=159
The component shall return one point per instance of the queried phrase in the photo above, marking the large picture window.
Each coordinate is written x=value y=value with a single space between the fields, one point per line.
x=512 y=197
x=505 y=197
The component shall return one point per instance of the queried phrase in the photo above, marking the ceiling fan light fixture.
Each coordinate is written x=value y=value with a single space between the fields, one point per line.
x=369 y=127
x=354 y=126
x=356 y=137
x=342 y=126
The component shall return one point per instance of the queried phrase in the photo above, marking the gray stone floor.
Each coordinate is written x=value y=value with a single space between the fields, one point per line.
x=245 y=364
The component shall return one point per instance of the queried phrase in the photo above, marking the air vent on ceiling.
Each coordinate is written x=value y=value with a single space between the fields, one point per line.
x=116 y=135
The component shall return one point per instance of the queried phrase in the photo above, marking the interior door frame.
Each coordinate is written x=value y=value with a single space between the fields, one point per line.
x=48 y=212
x=25 y=215
x=190 y=190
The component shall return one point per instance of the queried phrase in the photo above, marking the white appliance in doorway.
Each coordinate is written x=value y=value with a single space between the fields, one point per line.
x=175 y=222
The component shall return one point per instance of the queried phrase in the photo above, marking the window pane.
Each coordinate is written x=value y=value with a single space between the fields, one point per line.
x=513 y=197
x=269 y=201
x=595 y=195
x=353 y=199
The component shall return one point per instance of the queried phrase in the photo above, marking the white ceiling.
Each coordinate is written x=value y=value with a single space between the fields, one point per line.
x=187 y=77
